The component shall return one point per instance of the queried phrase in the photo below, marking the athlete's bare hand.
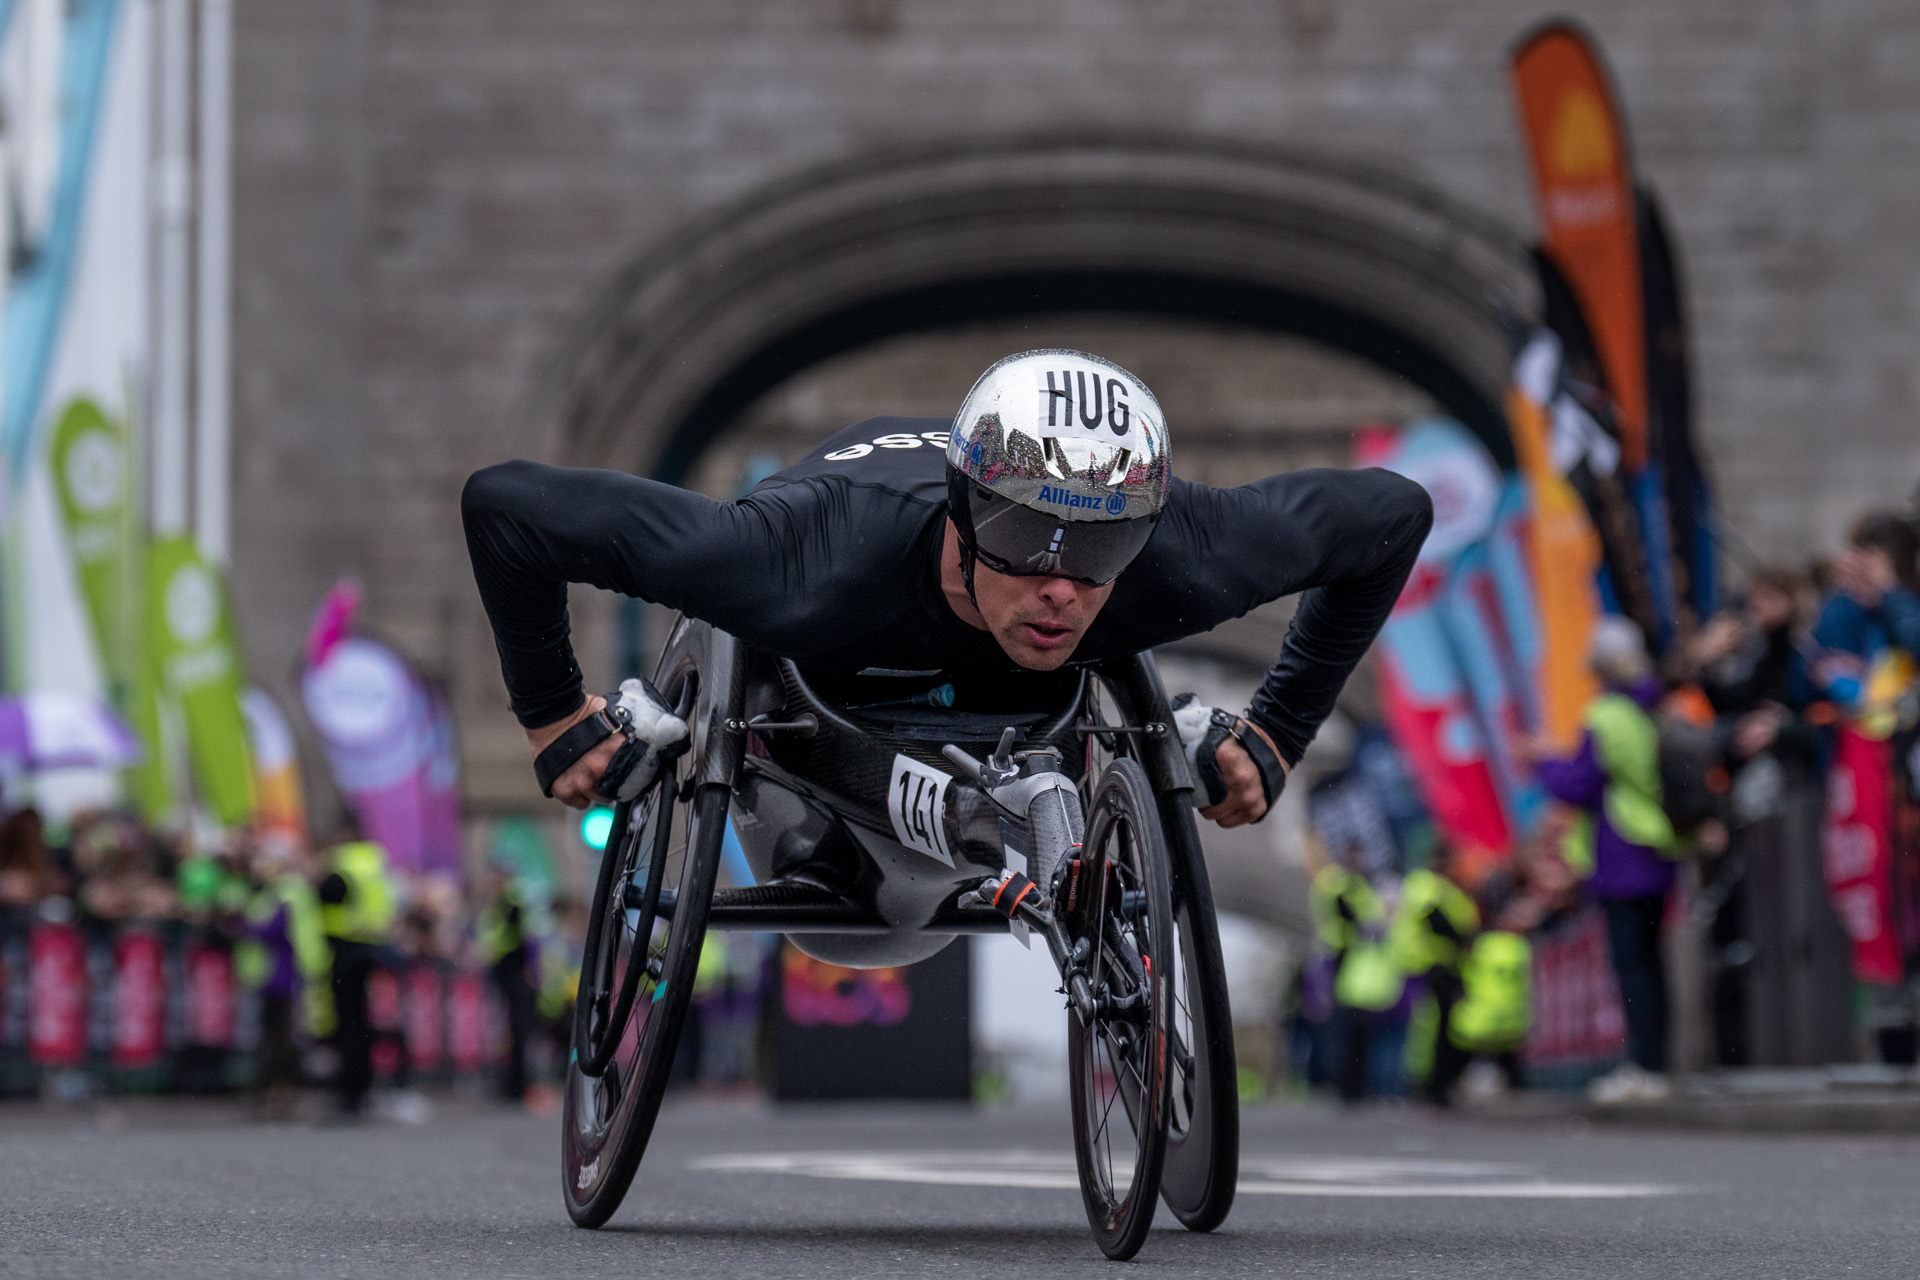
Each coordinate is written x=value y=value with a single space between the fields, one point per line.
x=574 y=788
x=1245 y=801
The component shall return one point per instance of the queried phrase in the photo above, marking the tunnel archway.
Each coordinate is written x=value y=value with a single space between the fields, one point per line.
x=1362 y=258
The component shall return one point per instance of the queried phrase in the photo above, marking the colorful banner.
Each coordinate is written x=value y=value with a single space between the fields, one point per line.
x=814 y=993
x=281 y=808
x=1857 y=851
x=386 y=1014
x=1489 y=615
x=440 y=790
x=1583 y=182
x=426 y=1036
x=191 y=634
x=130 y=999
x=210 y=1011
x=1425 y=695
x=91 y=459
x=1670 y=415
x=1583 y=425
x=469 y=1036
x=57 y=995
x=390 y=741
x=1577 y=1017
x=92 y=468
x=53 y=729
x=1602 y=235
x=1564 y=549
x=139 y=1001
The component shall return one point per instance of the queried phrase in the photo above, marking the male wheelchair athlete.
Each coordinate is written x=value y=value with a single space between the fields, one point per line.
x=878 y=835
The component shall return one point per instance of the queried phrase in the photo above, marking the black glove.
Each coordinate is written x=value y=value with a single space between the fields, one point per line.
x=1202 y=729
x=655 y=736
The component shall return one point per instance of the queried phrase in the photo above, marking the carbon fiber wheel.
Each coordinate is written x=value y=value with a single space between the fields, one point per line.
x=1118 y=1059
x=1203 y=1131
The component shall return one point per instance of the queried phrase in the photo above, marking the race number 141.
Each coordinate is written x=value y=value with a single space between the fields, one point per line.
x=917 y=802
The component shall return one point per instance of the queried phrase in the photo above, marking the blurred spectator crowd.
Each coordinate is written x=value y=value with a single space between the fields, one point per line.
x=129 y=962
x=1728 y=873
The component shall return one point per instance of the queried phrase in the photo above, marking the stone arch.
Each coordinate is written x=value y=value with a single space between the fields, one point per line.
x=1362 y=257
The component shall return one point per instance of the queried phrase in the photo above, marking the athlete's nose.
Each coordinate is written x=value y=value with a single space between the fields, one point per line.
x=1058 y=592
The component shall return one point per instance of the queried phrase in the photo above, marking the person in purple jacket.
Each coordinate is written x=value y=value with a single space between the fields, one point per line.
x=285 y=957
x=1619 y=842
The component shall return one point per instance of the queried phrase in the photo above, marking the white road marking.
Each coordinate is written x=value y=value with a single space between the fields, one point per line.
x=1356 y=1176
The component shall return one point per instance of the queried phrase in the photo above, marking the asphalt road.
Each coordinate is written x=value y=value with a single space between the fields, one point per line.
x=739 y=1190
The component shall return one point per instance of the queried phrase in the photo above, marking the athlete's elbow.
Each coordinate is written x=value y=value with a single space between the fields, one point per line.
x=1403 y=510
x=493 y=492
x=1419 y=510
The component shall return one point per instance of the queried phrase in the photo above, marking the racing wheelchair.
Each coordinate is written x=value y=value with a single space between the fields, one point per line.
x=878 y=833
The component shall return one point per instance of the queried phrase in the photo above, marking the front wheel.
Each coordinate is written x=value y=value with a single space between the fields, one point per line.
x=1119 y=922
x=643 y=943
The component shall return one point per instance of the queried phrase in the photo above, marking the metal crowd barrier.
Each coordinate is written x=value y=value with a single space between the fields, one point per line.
x=87 y=1008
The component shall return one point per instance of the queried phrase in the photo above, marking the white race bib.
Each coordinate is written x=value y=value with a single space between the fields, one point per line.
x=916 y=801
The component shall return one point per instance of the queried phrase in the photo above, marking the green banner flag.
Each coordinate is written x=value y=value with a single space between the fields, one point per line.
x=92 y=467
x=191 y=633
x=90 y=471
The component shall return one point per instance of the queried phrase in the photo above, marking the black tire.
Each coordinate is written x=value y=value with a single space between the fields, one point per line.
x=676 y=827
x=1124 y=913
x=1203 y=1132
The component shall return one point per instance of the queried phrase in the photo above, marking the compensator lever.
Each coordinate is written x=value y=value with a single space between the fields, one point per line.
x=1032 y=791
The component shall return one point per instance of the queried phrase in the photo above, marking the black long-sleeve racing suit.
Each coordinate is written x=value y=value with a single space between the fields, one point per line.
x=835 y=563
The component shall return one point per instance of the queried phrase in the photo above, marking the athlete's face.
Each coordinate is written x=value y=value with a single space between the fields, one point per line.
x=1038 y=621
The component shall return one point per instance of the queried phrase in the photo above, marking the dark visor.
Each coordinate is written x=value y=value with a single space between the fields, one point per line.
x=1019 y=541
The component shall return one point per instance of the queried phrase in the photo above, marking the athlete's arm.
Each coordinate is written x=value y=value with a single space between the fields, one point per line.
x=1345 y=539
x=532 y=529
x=1360 y=531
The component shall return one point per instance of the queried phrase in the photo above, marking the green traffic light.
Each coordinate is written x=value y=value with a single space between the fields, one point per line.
x=595 y=826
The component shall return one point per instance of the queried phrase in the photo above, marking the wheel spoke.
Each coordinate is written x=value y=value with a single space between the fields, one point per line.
x=1106 y=1137
x=1126 y=1060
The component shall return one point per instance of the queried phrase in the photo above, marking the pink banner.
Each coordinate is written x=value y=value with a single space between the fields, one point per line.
x=210 y=997
x=467 y=1022
x=425 y=1042
x=390 y=740
x=139 y=1001
x=1857 y=851
x=423 y=1014
x=1577 y=1018
x=386 y=1014
x=57 y=996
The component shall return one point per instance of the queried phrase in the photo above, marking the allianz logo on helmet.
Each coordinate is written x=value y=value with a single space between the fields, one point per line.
x=1115 y=503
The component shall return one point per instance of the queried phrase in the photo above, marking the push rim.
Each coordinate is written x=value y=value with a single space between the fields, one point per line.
x=614 y=980
x=608 y=1116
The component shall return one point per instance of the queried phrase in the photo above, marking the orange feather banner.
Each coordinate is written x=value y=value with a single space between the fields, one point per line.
x=1583 y=182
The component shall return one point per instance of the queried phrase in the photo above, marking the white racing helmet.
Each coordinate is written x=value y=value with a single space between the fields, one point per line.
x=1057 y=467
